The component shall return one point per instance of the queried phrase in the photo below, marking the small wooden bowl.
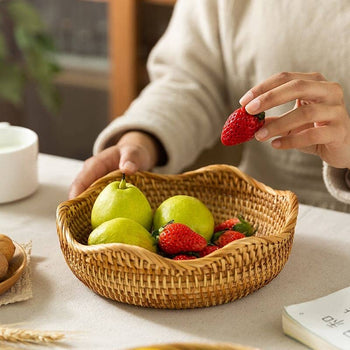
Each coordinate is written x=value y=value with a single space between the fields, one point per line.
x=15 y=270
x=133 y=275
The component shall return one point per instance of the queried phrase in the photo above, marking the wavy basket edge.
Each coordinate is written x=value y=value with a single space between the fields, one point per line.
x=233 y=248
x=209 y=168
x=195 y=346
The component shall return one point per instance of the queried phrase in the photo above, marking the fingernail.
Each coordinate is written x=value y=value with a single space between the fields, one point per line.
x=276 y=143
x=128 y=167
x=261 y=134
x=248 y=96
x=253 y=106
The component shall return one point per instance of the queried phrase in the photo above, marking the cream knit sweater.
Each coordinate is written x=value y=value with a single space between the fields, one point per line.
x=214 y=51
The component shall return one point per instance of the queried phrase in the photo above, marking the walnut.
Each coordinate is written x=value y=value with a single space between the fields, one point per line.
x=4 y=265
x=7 y=247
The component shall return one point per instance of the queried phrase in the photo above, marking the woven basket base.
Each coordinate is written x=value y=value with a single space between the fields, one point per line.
x=133 y=275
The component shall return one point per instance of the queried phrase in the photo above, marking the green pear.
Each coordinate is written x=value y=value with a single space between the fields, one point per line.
x=121 y=199
x=186 y=210
x=123 y=230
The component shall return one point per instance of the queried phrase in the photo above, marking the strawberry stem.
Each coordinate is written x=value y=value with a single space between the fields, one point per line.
x=260 y=116
x=217 y=235
x=244 y=227
x=156 y=233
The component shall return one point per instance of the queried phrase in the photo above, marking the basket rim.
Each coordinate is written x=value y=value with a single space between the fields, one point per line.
x=197 y=345
x=144 y=254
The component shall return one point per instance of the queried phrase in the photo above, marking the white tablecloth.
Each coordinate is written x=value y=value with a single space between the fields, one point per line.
x=318 y=265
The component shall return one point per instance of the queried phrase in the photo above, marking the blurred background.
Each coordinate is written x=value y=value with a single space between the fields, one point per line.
x=68 y=67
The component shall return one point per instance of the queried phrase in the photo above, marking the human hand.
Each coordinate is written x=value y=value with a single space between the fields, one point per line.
x=134 y=151
x=319 y=124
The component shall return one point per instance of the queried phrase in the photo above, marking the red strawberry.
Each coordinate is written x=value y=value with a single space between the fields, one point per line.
x=228 y=224
x=227 y=237
x=184 y=257
x=175 y=238
x=236 y=224
x=207 y=250
x=241 y=126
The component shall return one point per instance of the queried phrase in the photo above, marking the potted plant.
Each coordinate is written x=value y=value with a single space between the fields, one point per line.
x=26 y=55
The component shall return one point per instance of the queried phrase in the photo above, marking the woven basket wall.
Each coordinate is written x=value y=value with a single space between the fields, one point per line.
x=133 y=275
x=195 y=346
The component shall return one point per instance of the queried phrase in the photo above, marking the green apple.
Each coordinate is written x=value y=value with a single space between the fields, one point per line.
x=121 y=199
x=123 y=230
x=186 y=210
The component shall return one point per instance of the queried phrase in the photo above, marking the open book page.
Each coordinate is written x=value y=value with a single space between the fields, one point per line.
x=321 y=321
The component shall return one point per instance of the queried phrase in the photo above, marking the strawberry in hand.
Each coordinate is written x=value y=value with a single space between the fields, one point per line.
x=241 y=126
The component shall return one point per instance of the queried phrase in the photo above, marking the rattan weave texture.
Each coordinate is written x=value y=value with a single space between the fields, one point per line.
x=133 y=275
x=195 y=346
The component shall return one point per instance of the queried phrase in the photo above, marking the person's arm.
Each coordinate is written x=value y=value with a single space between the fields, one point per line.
x=185 y=104
x=182 y=110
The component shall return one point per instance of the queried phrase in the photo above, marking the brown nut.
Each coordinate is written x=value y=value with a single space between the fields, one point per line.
x=7 y=247
x=4 y=265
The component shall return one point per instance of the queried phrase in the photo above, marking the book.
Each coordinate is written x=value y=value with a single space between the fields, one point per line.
x=320 y=324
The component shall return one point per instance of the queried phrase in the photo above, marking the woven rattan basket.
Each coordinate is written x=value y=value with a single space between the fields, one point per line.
x=195 y=346
x=133 y=275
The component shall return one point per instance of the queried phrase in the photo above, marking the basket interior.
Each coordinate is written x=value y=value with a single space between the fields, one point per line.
x=224 y=192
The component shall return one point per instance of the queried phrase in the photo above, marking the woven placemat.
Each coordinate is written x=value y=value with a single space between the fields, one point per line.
x=22 y=289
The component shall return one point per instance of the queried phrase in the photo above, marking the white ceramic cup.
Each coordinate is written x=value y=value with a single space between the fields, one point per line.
x=18 y=162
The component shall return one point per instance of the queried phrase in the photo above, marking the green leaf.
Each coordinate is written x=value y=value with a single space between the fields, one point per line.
x=45 y=42
x=50 y=97
x=38 y=67
x=36 y=63
x=24 y=39
x=39 y=41
x=3 y=47
x=11 y=82
x=42 y=73
x=25 y=16
x=217 y=235
x=244 y=227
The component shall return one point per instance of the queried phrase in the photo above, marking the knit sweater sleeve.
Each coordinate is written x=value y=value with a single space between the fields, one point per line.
x=337 y=182
x=185 y=104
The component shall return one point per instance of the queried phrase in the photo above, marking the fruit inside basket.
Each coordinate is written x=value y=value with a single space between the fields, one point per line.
x=134 y=275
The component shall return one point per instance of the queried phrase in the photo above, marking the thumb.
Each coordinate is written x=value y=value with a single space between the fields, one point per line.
x=128 y=167
x=129 y=161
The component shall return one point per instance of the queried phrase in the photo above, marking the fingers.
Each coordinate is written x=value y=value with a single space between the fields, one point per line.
x=133 y=158
x=134 y=151
x=127 y=158
x=138 y=151
x=319 y=123
x=277 y=80
x=306 y=128
x=285 y=87
x=308 y=90
x=94 y=168
x=305 y=139
x=296 y=119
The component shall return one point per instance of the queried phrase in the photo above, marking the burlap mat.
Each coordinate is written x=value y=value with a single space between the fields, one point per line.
x=22 y=289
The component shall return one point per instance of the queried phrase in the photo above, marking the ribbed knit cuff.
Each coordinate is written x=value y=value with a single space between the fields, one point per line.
x=337 y=182
x=120 y=125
